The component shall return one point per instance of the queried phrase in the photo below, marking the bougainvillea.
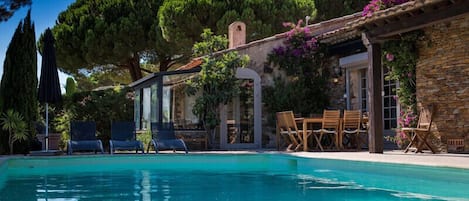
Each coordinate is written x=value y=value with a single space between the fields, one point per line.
x=376 y=5
x=303 y=59
x=298 y=52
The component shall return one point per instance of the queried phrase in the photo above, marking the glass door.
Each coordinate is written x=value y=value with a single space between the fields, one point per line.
x=240 y=115
x=390 y=108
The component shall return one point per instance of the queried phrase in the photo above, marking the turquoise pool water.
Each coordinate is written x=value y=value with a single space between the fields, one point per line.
x=224 y=177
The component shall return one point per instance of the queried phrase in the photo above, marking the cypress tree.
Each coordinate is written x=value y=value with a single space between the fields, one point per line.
x=18 y=88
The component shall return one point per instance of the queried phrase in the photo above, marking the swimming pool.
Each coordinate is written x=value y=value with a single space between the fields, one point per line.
x=224 y=177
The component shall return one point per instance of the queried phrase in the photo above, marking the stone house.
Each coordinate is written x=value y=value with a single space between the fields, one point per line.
x=442 y=69
x=355 y=42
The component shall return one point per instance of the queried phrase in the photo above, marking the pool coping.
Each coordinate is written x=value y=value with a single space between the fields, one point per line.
x=396 y=157
x=460 y=161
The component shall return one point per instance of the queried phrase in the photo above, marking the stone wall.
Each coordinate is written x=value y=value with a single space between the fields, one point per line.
x=443 y=78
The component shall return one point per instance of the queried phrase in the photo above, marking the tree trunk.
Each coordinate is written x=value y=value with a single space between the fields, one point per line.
x=164 y=63
x=133 y=65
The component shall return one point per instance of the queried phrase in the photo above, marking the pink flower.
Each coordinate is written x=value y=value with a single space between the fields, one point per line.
x=389 y=57
x=298 y=25
x=307 y=30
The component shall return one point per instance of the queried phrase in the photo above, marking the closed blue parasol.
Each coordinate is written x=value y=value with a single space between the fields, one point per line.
x=49 y=86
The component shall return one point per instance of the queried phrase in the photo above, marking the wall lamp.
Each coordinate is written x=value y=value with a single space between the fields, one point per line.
x=337 y=73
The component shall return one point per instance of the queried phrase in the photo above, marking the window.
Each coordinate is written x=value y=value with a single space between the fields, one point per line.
x=389 y=102
x=363 y=90
x=177 y=105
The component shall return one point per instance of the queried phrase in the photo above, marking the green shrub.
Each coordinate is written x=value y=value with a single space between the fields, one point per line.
x=102 y=107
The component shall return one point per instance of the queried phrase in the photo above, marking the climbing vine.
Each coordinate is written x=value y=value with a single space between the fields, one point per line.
x=400 y=57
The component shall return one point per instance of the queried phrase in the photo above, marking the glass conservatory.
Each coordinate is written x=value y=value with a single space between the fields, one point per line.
x=162 y=97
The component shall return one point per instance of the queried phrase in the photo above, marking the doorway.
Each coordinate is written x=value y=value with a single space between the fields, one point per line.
x=240 y=126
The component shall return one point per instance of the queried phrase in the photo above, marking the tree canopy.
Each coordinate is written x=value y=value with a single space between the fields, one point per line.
x=9 y=7
x=328 y=9
x=120 y=35
x=182 y=21
x=110 y=34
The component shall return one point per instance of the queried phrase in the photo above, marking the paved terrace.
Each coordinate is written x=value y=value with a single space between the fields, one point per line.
x=428 y=159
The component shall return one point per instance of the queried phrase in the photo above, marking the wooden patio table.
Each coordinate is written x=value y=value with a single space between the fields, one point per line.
x=318 y=120
x=306 y=121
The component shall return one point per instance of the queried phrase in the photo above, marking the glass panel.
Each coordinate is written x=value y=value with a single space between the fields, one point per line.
x=154 y=102
x=166 y=103
x=393 y=124
x=177 y=105
x=386 y=102
x=386 y=91
x=386 y=113
x=137 y=108
x=393 y=101
x=146 y=101
x=364 y=102
x=240 y=113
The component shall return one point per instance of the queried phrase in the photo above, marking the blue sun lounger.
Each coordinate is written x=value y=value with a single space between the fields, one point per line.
x=164 y=138
x=83 y=137
x=123 y=137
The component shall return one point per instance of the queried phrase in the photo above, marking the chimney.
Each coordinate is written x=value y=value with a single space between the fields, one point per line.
x=236 y=34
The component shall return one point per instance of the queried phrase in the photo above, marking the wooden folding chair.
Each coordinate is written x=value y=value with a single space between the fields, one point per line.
x=351 y=128
x=330 y=126
x=289 y=129
x=419 y=135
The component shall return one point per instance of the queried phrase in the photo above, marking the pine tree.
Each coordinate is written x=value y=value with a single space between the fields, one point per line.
x=18 y=88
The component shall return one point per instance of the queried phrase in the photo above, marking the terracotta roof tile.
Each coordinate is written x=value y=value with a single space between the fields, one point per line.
x=192 y=64
x=353 y=28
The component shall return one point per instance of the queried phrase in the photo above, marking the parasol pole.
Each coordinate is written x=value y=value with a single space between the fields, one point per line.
x=47 y=127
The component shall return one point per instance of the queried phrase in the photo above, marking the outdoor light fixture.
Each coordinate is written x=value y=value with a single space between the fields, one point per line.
x=337 y=71
x=337 y=74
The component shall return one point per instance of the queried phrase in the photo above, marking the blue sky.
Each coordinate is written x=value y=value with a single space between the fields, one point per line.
x=43 y=14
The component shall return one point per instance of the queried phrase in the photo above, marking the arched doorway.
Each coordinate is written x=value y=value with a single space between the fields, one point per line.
x=241 y=120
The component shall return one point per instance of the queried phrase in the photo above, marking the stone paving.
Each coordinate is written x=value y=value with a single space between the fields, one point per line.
x=397 y=156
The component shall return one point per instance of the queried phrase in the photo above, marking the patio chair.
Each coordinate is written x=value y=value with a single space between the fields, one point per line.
x=351 y=128
x=330 y=126
x=164 y=138
x=123 y=137
x=83 y=138
x=419 y=136
x=288 y=128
